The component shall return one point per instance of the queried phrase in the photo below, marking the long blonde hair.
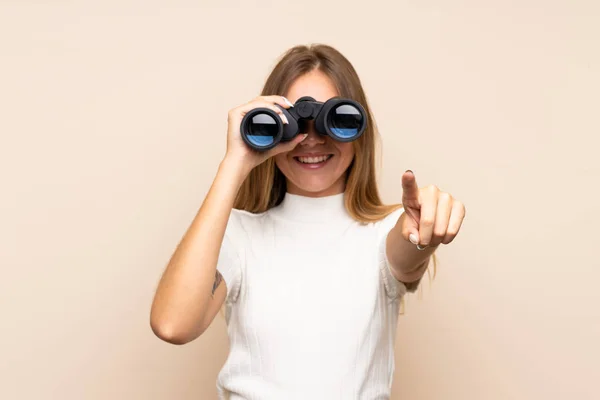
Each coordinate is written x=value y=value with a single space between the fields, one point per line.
x=265 y=186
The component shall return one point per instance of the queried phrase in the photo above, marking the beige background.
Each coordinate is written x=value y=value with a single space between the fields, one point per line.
x=113 y=118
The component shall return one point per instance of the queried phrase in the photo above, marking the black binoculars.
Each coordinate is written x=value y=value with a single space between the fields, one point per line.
x=341 y=119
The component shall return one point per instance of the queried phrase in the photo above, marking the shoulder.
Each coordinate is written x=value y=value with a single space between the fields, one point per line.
x=244 y=223
x=240 y=216
x=246 y=217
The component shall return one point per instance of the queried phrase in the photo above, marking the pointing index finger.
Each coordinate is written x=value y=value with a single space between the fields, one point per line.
x=410 y=190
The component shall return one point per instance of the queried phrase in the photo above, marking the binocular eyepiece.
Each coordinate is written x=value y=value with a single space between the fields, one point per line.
x=341 y=119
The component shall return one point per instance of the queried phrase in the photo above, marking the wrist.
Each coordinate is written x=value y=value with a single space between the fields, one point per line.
x=234 y=168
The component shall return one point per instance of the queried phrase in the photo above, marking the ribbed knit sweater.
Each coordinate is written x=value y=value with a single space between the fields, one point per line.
x=311 y=304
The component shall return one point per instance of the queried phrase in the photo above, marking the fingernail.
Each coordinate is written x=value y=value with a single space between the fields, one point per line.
x=289 y=103
x=408 y=170
x=413 y=238
x=284 y=118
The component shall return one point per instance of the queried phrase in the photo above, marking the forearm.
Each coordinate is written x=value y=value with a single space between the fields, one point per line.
x=185 y=288
x=408 y=264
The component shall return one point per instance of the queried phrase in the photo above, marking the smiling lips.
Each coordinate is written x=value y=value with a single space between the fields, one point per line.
x=313 y=161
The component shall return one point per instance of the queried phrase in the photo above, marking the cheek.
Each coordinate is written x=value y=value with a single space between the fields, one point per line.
x=281 y=161
x=346 y=152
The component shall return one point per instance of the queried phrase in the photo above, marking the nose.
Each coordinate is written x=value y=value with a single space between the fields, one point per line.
x=314 y=138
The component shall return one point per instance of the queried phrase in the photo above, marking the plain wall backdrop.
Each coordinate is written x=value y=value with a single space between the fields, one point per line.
x=113 y=121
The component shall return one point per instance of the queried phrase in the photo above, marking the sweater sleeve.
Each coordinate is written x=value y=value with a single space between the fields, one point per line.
x=230 y=261
x=393 y=287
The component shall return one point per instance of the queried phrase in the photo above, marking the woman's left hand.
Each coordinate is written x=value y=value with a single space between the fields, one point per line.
x=431 y=216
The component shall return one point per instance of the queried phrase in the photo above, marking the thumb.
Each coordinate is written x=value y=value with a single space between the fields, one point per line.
x=410 y=229
x=413 y=237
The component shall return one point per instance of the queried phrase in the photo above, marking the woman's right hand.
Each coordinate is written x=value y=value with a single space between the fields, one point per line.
x=238 y=150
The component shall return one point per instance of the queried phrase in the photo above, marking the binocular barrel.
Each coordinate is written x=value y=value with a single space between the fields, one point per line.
x=341 y=119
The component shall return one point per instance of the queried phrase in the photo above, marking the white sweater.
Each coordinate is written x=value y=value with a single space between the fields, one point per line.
x=311 y=303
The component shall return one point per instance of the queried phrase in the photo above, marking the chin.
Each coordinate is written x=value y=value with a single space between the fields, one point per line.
x=316 y=187
x=319 y=175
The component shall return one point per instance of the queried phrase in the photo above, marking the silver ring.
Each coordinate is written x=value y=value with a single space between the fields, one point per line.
x=419 y=247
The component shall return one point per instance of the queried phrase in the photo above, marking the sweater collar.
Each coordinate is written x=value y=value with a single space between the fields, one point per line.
x=325 y=209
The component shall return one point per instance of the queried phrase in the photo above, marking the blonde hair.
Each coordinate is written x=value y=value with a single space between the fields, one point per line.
x=265 y=186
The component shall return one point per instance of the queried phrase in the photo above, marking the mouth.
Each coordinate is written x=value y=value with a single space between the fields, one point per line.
x=313 y=162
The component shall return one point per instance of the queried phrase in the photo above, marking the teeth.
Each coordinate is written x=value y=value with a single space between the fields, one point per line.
x=312 y=160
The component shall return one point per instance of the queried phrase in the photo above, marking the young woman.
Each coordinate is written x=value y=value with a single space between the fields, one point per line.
x=297 y=246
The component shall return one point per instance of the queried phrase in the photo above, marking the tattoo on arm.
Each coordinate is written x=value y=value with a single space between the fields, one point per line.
x=217 y=282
